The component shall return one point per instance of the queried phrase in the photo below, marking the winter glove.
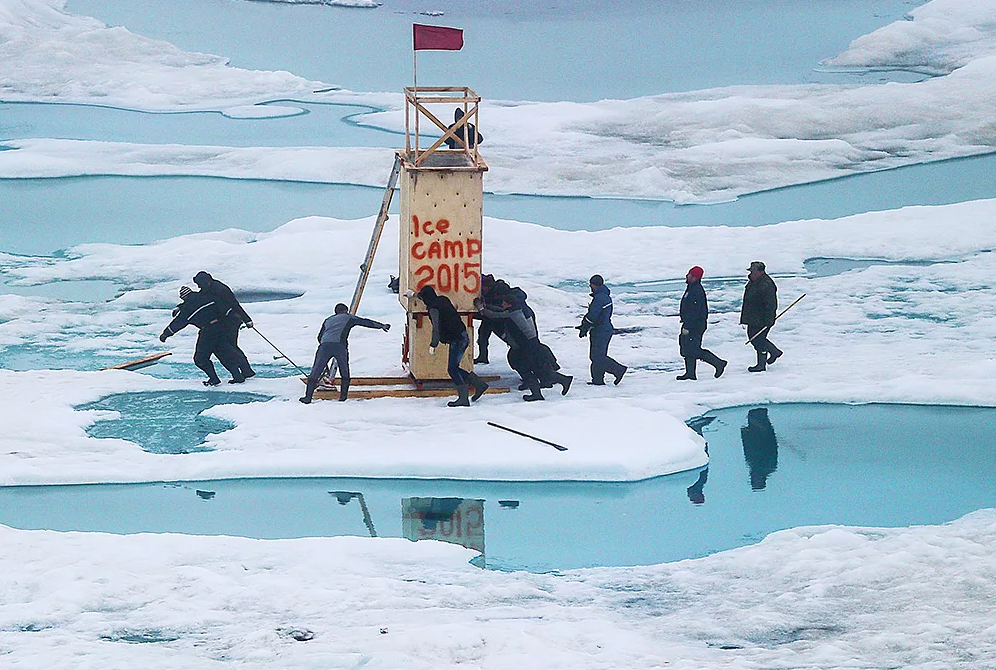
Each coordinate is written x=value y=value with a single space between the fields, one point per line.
x=386 y=327
x=583 y=329
x=162 y=338
x=684 y=331
x=432 y=351
x=249 y=324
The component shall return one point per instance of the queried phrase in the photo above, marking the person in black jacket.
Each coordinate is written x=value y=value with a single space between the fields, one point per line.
x=333 y=342
x=234 y=317
x=694 y=313
x=532 y=359
x=203 y=311
x=463 y=133
x=448 y=328
x=491 y=291
x=758 y=314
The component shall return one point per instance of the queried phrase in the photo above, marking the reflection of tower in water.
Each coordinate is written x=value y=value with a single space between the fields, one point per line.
x=456 y=520
x=760 y=447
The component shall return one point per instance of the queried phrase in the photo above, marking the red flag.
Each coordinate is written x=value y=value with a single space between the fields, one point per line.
x=436 y=37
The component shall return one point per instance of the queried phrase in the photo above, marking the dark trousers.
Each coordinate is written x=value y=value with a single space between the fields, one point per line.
x=484 y=331
x=231 y=325
x=690 y=346
x=761 y=343
x=326 y=352
x=598 y=352
x=457 y=349
x=211 y=340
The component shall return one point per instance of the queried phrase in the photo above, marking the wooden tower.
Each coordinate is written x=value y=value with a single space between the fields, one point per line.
x=440 y=221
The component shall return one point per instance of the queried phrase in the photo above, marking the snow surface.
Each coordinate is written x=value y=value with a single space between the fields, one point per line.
x=826 y=597
x=822 y=597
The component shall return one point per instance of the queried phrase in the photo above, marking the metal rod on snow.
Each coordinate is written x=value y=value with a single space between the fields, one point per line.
x=767 y=328
x=531 y=437
x=282 y=354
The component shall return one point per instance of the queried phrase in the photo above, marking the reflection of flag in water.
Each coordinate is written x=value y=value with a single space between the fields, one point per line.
x=436 y=37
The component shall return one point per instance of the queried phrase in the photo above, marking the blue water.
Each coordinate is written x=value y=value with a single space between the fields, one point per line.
x=771 y=468
x=45 y=215
x=165 y=422
x=317 y=125
x=522 y=49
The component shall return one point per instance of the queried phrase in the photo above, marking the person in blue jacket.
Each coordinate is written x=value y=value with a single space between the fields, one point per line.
x=694 y=313
x=598 y=323
x=333 y=342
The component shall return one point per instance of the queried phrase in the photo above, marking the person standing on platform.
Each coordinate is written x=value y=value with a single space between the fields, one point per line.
x=201 y=310
x=694 y=313
x=234 y=317
x=463 y=133
x=598 y=323
x=448 y=329
x=758 y=314
x=333 y=342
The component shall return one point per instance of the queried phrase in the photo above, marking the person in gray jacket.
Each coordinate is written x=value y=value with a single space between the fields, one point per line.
x=333 y=342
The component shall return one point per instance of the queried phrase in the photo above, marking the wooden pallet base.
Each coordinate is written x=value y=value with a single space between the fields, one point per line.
x=365 y=393
x=398 y=387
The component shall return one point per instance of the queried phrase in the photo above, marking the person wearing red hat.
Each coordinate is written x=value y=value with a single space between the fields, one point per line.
x=694 y=314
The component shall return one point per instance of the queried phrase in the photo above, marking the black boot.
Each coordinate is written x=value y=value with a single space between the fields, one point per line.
x=715 y=361
x=564 y=381
x=309 y=391
x=462 y=399
x=480 y=386
x=689 y=370
x=212 y=382
x=534 y=392
x=482 y=358
x=343 y=390
x=762 y=359
x=774 y=353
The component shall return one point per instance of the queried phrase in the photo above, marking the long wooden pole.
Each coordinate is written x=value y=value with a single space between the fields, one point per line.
x=767 y=328
x=531 y=437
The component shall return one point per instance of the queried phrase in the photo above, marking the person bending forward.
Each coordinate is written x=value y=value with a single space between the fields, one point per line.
x=333 y=342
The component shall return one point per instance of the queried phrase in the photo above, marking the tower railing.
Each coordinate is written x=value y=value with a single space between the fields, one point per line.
x=437 y=155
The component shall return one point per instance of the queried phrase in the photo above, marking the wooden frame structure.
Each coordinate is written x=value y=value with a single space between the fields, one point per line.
x=416 y=99
x=394 y=387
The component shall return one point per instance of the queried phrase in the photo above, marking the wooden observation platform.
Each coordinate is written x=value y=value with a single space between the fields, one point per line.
x=440 y=236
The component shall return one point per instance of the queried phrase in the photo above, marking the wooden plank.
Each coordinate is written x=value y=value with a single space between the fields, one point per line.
x=139 y=362
x=398 y=381
x=360 y=394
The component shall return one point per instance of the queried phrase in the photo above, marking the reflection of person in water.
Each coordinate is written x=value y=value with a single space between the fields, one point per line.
x=696 y=492
x=760 y=447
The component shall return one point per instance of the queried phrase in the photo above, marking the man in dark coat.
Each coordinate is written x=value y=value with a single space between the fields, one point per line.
x=694 y=313
x=234 y=317
x=333 y=342
x=203 y=311
x=491 y=291
x=448 y=328
x=598 y=322
x=463 y=133
x=528 y=356
x=758 y=313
